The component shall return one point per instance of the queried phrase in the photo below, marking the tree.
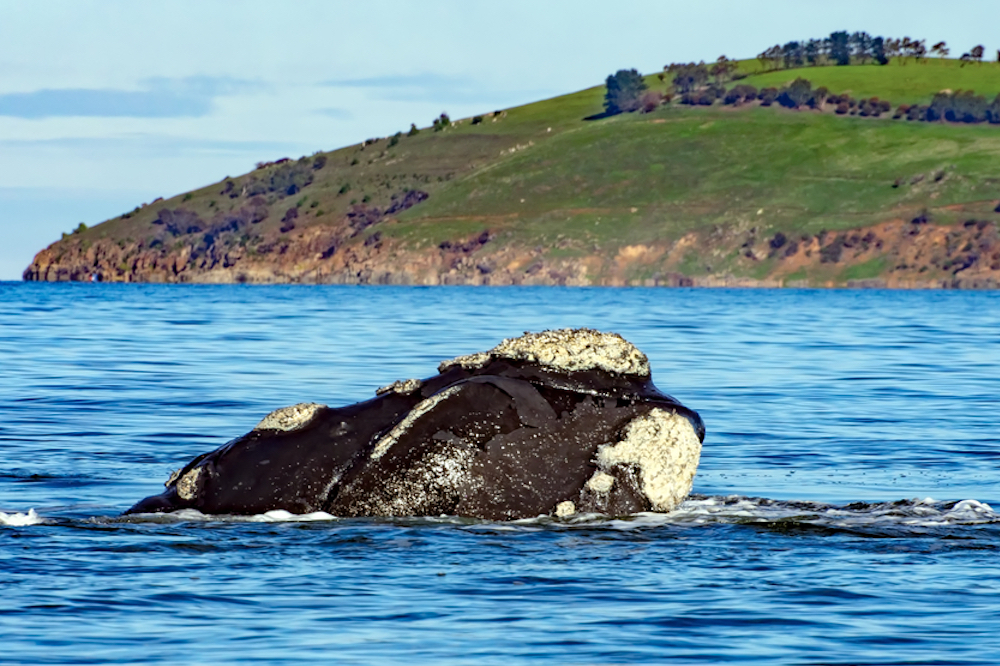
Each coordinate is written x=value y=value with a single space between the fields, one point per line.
x=722 y=69
x=792 y=54
x=860 y=43
x=624 y=91
x=689 y=77
x=905 y=48
x=977 y=54
x=878 y=51
x=840 y=50
x=893 y=48
x=812 y=50
x=770 y=56
x=941 y=50
x=797 y=94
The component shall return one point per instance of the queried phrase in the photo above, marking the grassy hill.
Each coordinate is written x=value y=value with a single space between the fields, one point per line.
x=541 y=194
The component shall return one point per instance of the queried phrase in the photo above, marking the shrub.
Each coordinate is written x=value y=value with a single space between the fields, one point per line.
x=319 y=162
x=413 y=130
x=441 y=122
x=476 y=120
x=650 y=101
x=287 y=179
x=818 y=97
x=767 y=96
x=188 y=197
x=740 y=93
x=344 y=189
x=395 y=139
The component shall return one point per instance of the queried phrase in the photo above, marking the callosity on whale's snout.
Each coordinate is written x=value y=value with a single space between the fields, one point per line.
x=557 y=422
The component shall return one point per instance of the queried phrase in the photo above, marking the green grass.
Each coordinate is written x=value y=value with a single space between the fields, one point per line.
x=714 y=166
x=869 y=269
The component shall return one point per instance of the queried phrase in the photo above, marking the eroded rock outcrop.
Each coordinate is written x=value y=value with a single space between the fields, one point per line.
x=555 y=423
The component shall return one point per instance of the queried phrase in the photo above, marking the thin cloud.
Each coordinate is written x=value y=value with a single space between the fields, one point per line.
x=337 y=114
x=424 y=87
x=189 y=97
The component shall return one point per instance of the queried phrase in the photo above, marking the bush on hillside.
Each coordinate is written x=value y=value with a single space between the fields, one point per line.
x=441 y=122
x=688 y=77
x=624 y=92
x=649 y=101
x=767 y=96
x=797 y=94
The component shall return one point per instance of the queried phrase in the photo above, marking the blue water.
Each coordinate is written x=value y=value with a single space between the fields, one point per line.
x=842 y=510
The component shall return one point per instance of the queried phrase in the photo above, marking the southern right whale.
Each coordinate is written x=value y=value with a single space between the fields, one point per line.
x=556 y=422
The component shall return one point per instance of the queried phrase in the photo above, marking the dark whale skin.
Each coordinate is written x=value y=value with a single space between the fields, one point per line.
x=500 y=439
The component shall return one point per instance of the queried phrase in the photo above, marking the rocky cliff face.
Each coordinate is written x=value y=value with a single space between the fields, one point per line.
x=360 y=249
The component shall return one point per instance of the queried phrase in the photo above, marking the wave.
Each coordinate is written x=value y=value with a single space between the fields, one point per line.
x=736 y=509
x=21 y=519
x=696 y=510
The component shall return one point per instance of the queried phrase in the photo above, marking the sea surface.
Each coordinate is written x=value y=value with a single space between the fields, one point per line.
x=846 y=510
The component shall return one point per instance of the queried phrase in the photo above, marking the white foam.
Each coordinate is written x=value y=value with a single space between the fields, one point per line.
x=193 y=515
x=21 y=519
x=919 y=513
x=733 y=509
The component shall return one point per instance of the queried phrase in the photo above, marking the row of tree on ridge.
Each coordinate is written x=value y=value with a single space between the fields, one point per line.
x=627 y=92
x=843 y=48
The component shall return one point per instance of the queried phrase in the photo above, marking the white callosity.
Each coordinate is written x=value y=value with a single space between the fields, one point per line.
x=291 y=418
x=665 y=448
x=419 y=410
x=601 y=482
x=567 y=350
x=565 y=509
x=187 y=485
x=401 y=386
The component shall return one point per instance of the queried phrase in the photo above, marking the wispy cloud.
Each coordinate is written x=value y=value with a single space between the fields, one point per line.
x=156 y=98
x=425 y=87
x=162 y=146
x=337 y=114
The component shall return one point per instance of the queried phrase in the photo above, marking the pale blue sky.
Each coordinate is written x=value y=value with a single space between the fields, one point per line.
x=106 y=105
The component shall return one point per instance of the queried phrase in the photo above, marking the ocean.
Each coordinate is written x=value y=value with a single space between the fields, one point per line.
x=846 y=509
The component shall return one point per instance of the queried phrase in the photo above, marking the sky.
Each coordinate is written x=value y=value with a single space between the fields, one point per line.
x=107 y=105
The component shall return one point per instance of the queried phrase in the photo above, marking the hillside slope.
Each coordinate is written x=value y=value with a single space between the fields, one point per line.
x=540 y=195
